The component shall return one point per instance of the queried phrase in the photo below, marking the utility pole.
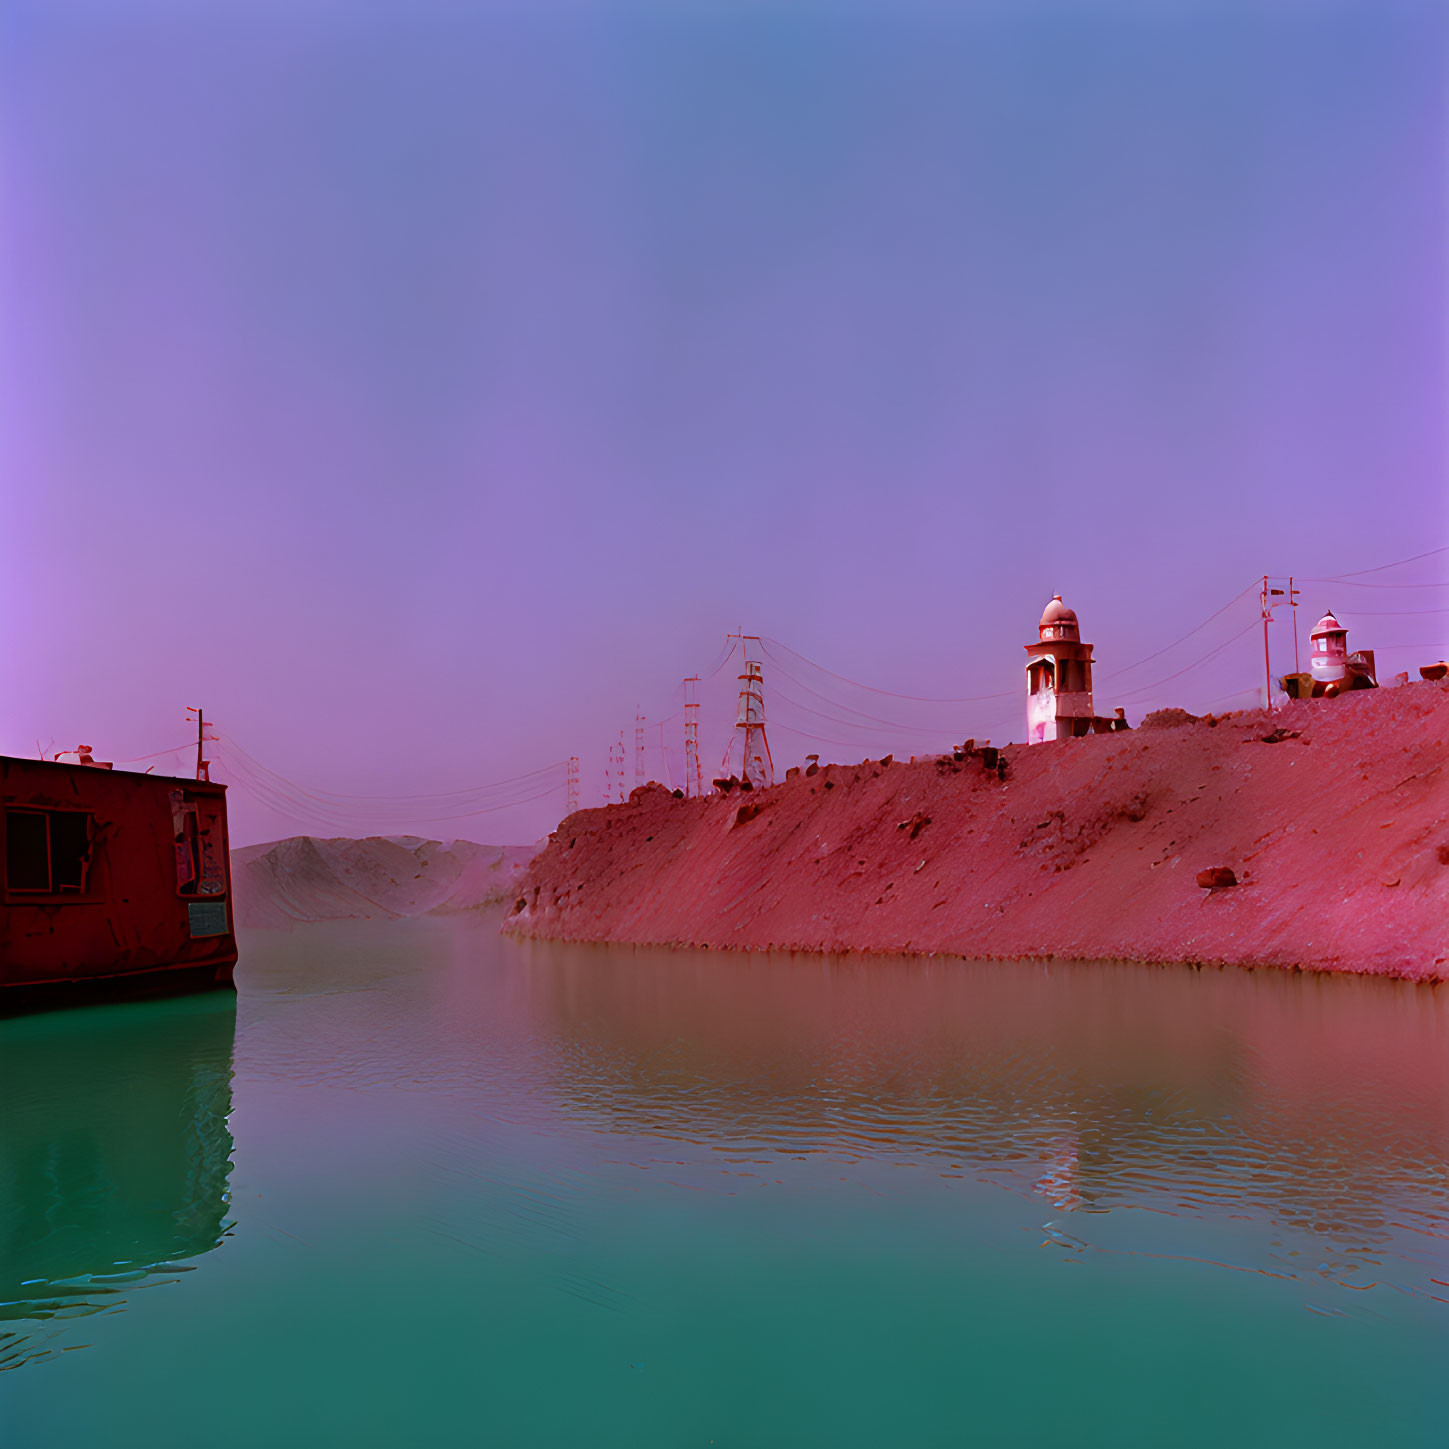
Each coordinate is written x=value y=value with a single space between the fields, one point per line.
x=571 y=786
x=203 y=766
x=1293 y=602
x=693 y=776
x=1265 y=598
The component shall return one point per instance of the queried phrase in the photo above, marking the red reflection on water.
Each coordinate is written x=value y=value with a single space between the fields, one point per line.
x=1319 y=1104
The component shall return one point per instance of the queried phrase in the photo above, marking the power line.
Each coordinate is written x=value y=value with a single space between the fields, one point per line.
x=981 y=698
x=820 y=739
x=345 y=800
x=1145 y=688
x=299 y=808
x=156 y=754
x=731 y=644
x=765 y=643
x=1346 y=583
x=1127 y=669
x=875 y=727
x=300 y=803
x=1391 y=613
x=848 y=708
x=298 y=795
x=1397 y=564
x=1000 y=722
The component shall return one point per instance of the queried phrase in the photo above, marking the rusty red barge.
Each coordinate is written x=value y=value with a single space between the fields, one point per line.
x=116 y=884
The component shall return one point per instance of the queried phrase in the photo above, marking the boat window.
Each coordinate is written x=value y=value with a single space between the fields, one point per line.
x=200 y=845
x=47 y=852
x=183 y=826
x=27 y=850
x=211 y=848
x=70 y=850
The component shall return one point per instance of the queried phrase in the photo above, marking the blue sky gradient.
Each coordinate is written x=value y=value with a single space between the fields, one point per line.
x=422 y=388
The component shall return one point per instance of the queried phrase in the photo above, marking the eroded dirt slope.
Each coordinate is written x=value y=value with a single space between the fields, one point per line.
x=1337 y=832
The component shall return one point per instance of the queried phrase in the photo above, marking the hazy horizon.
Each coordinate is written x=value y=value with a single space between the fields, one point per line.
x=424 y=388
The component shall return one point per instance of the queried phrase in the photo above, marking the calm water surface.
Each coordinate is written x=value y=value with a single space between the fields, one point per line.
x=421 y=1185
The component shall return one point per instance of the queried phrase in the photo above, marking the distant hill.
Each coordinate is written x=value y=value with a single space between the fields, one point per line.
x=384 y=877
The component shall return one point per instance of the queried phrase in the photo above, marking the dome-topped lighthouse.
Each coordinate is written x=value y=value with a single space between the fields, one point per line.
x=1058 y=678
x=1328 y=657
x=1058 y=621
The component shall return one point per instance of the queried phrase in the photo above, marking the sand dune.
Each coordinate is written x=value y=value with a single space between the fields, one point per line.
x=384 y=877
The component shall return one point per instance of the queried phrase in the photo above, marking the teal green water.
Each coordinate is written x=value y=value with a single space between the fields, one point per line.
x=419 y=1185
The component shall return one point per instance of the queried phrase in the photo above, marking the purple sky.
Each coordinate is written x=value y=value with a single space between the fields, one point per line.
x=421 y=388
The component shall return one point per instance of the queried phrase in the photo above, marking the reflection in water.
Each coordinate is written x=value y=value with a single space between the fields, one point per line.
x=1317 y=1107
x=114 y=1156
x=565 y=1195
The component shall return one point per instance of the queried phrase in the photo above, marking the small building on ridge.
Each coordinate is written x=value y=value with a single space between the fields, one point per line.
x=1058 y=678
x=1328 y=650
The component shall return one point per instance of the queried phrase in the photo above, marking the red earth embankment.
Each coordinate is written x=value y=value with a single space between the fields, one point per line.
x=1088 y=849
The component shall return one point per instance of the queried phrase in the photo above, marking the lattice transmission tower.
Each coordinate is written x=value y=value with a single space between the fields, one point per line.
x=638 y=749
x=693 y=774
x=571 y=788
x=748 y=752
x=614 y=773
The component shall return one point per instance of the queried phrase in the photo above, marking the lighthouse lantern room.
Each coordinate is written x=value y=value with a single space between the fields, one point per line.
x=1328 y=654
x=1058 y=678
